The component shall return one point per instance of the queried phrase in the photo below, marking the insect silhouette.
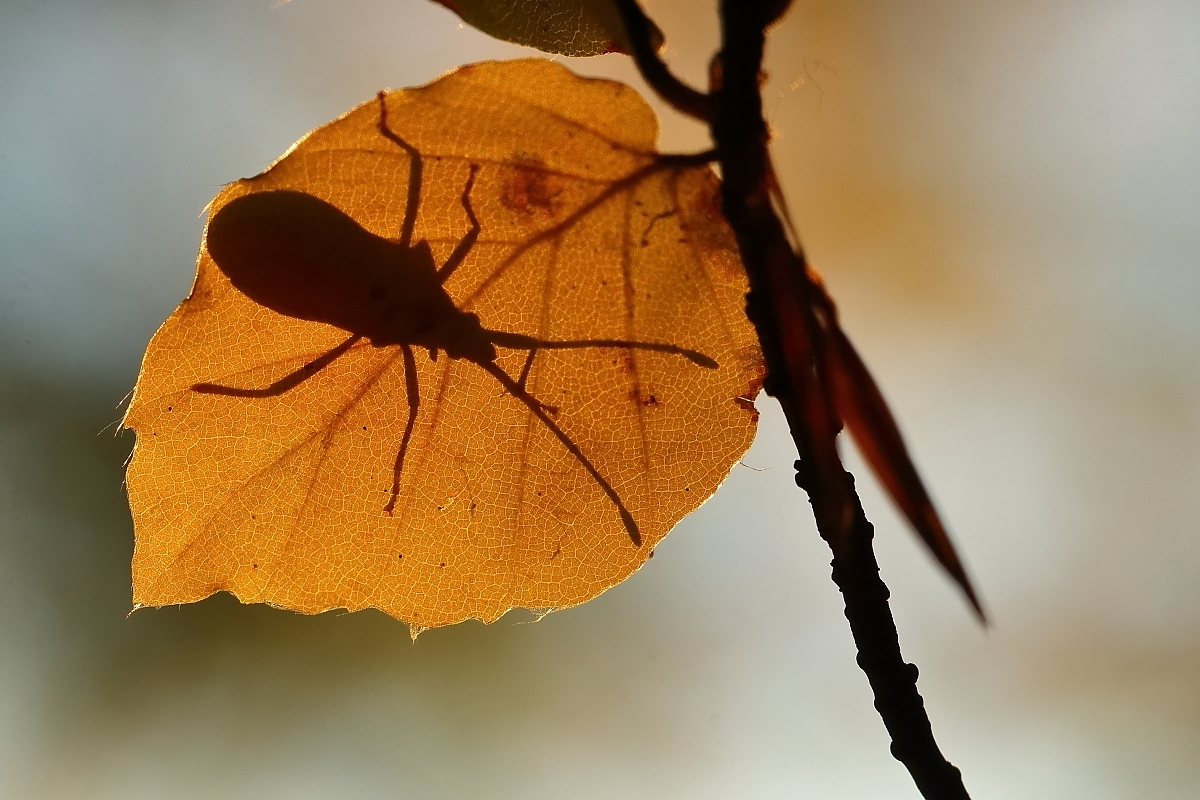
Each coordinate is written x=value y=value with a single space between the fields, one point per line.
x=302 y=257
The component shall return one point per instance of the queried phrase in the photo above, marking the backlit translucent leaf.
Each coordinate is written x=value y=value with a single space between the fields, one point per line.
x=585 y=234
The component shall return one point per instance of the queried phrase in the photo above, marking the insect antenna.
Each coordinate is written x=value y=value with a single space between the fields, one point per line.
x=415 y=170
x=517 y=391
x=468 y=241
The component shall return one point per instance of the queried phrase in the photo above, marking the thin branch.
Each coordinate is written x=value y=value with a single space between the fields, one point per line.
x=781 y=305
x=741 y=137
x=683 y=98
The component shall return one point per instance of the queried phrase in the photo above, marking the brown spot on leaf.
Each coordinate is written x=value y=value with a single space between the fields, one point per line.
x=705 y=220
x=745 y=400
x=529 y=188
x=636 y=395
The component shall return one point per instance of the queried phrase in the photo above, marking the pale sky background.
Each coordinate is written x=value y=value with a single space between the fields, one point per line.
x=1003 y=196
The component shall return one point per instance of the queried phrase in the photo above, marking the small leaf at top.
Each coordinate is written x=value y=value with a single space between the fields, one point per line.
x=565 y=27
x=472 y=346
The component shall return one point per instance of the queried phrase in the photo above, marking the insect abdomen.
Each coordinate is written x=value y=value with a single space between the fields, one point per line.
x=300 y=256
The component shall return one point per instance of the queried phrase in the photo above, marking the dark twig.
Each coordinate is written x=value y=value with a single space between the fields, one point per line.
x=683 y=98
x=741 y=137
x=781 y=304
x=893 y=681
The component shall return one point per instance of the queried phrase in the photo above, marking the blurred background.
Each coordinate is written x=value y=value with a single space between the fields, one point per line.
x=1003 y=196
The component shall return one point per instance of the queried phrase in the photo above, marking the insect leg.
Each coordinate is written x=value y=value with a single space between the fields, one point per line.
x=289 y=381
x=523 y=379
x=518 y=341
x=414 y=173
x=533 y=405
x=414 y=401
x=468 y=241
x=526 y=367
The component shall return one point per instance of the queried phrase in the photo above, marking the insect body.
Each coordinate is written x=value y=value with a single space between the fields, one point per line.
x=300 y=256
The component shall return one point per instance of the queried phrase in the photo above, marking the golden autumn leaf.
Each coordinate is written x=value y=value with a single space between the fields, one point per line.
x=503 y=399
x=565 y=27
